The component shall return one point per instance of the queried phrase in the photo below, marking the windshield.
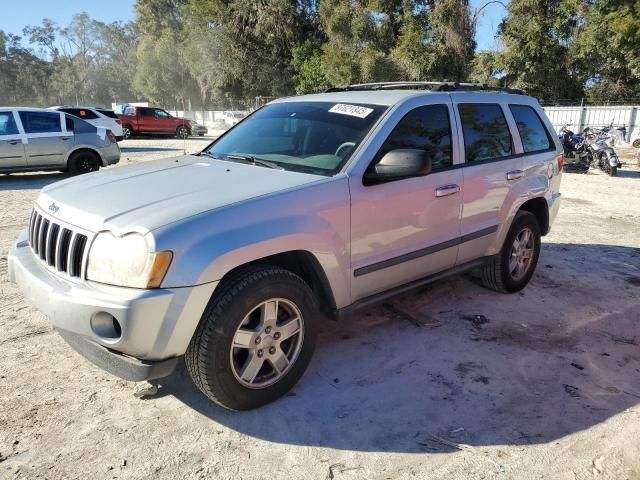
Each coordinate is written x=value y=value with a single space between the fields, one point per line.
x=314 y=137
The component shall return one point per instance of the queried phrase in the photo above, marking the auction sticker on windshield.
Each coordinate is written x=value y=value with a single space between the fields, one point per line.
x=353 y=110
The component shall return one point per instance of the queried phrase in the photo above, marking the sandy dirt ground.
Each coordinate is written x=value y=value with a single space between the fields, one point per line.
x=544 y=384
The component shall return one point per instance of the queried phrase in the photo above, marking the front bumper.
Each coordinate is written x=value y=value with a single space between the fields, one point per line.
x=155 y=325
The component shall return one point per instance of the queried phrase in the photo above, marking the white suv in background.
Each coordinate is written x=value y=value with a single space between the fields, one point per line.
x=96 y=116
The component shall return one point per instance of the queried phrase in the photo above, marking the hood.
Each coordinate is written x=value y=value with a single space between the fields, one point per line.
x=148 y=195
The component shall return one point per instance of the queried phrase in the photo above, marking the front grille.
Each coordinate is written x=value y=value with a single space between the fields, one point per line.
x=59 y=247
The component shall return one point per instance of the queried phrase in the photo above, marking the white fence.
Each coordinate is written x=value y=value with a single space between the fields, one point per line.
x=209 y=118
x=576 y=118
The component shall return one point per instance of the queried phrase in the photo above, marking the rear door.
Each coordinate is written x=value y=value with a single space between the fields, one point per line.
x=11 y=146
x=491 y=164
x=48 y=140
x=146 y=120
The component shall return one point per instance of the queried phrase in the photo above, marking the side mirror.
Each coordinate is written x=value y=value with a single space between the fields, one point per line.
x=401 y=163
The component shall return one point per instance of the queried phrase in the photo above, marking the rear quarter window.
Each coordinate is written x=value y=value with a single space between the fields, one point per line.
x=108 y=113
x=8 y=124
x=534 y=135
x=486 y=132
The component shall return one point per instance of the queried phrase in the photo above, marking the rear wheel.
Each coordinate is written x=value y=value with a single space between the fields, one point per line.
x=83 y=161
x=255 y=339
x=182 y=132
x=513 y=267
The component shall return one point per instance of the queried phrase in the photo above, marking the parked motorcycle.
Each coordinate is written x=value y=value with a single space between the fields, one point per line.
x=577 y=157
x=588 y=150
x=602 y=155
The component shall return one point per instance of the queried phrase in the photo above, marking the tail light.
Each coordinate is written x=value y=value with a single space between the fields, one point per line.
x=118 y=121
x=560 y=162
x=111 y=136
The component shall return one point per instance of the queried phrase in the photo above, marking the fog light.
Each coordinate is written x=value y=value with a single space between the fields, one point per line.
x=105 y=326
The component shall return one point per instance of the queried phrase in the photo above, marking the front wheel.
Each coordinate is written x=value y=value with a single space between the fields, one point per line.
x=511 y=270
x=255 y=339
x=613 y=171
x=182 y=132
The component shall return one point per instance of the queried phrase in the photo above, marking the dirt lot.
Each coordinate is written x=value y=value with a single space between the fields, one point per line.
x=541 y=384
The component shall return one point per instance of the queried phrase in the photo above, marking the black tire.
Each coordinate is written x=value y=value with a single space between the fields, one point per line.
x=496 y=273
x=83 y=161
x=127 y=132
x=182 y=132
x=209 y=352
x=613 y=171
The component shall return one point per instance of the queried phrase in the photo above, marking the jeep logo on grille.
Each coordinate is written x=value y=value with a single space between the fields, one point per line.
x=53 y=208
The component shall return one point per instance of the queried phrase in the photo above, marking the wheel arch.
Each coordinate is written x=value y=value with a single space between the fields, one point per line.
x=81 y=148
x=304 y=264
x=539 y=207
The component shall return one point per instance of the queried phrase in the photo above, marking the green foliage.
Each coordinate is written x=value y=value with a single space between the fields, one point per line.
x=607 y=51
x=201 y=54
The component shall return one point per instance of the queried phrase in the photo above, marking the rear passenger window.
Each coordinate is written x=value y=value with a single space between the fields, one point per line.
x=41 y=122
x=424 y=128
x=8 y=124
x=534 y=136
x=486 y=133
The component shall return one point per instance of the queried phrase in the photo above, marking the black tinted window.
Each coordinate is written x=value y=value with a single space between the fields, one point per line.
x=424 y=128
x=80 y=113
x=532 y=132
x=108 y=113
x=146 y=112
x=486 y=133
x=8 y=124
x=41 y=122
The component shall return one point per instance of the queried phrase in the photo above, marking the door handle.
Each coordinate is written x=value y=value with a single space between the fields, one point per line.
x=13 y=142
x=446 y=190
x=515 y=174
x=64 y=139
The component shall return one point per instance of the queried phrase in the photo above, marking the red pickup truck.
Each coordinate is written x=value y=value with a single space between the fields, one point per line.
x=153 y=120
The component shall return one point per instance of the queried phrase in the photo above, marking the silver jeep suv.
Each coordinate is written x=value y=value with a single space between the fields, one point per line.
x=312 y=206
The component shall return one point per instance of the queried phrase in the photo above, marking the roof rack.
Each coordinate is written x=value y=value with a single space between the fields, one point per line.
x=432 y=86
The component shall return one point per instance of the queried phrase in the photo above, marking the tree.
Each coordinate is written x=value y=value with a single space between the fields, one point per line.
x=536 y=35
x=606 y=51
x=23 y=76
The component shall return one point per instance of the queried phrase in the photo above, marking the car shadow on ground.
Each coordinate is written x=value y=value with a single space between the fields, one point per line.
x=149 y=149
x=629 y=173
x=30 y=181
x=558 y=358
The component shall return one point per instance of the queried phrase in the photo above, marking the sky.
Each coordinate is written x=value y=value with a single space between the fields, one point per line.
x=31 y=12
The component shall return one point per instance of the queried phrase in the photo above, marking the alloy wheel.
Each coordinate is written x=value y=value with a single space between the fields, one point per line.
x=267 y=343
x=521 y=255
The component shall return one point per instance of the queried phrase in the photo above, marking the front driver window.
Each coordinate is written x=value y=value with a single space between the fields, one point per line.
x=162 y=114
x=424 y=128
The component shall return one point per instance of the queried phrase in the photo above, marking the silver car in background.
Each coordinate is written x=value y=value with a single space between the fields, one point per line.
x=96 y=116
x=37 y=139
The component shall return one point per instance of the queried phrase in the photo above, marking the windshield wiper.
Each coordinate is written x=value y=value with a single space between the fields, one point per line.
x=254 y=161
x=215 y=157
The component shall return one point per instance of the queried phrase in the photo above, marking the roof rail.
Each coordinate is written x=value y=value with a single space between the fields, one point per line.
x=432 y=86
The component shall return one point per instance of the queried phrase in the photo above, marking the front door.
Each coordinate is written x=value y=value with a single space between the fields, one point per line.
x=47 y=138
x=11 y=147
x=408 y=228
x=164 y=122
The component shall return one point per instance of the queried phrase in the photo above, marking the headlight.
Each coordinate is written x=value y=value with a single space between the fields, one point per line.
x=126 y=261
